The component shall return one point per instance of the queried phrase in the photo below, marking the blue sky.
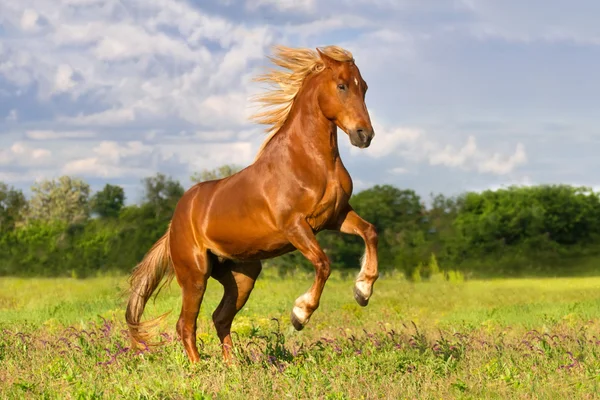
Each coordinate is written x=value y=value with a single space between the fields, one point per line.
x=464 y=94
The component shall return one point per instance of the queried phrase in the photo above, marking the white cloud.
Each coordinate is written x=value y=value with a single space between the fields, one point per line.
x=53 y=135
x=20 y=154
x=16 y=65
x=198 y=156
x=109 y=117
x=211 y=136
x=499 y=166
x=153 y=63
x=417 y=146
x=130 y=64
x=449 y=156
x=63 y=80
x=114 y=151
x=127 y=41
x=22 y=150
x=95 y=167
x=111 y=159
x=282 y=5
x=470 y=157
x=29 y=20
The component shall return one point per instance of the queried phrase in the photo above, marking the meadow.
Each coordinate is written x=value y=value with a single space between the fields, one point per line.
x=508 y=338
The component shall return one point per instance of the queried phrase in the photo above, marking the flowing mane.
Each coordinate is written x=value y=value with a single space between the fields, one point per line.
x=299 y=62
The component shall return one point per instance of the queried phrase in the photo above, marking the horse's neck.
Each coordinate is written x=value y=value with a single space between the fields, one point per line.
x=307 y=135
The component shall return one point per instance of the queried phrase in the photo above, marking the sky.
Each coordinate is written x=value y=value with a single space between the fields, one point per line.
x=463 y=94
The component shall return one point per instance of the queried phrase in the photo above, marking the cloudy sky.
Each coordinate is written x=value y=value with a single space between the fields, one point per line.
x=464 y=94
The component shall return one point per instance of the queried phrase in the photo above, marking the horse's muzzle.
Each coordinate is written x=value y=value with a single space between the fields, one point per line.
x=361 y=137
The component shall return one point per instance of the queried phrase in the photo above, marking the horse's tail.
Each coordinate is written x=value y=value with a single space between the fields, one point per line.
x=144 y=279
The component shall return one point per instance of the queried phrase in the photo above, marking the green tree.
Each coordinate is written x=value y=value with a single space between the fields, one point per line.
x=216 y=173
x=65 y=199
x=388 y=207
x=161 y=194
x=12 y=206
x=107 y=203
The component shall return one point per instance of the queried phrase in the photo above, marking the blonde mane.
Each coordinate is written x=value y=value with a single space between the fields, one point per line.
x=299 y=63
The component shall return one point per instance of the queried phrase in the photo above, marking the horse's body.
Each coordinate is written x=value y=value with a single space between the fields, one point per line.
x=296 y=187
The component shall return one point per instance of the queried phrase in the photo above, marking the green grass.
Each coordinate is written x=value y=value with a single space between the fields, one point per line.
x=528 y=338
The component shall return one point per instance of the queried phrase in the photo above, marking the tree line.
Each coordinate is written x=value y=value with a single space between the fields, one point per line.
x=64 y=229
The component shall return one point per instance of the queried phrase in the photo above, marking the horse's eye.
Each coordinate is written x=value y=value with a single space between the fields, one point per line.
x=341 y=86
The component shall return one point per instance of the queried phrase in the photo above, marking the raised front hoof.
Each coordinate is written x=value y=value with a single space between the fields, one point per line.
x=296 y=322
x=360 y=298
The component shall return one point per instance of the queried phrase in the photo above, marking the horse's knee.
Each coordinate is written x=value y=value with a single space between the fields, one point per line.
x=323 y=267
x=371 y=234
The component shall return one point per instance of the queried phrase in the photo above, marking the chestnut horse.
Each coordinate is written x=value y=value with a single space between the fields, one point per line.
x=296 y=187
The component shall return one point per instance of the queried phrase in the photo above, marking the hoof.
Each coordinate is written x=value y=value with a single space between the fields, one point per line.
x=296 y=322
x=360 y=299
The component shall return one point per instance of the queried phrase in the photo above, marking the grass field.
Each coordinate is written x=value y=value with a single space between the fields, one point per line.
x=529 y=338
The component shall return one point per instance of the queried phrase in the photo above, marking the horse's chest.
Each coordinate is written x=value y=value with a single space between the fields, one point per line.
x=328 y=207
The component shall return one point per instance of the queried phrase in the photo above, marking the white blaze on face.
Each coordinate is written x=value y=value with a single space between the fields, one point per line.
x=356 y=81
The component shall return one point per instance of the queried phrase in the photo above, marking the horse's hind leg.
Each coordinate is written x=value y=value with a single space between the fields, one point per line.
x=238 y=281
x=192 y=271
x=351 y=223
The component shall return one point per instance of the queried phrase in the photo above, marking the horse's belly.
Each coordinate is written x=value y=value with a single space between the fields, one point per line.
x=239 y=244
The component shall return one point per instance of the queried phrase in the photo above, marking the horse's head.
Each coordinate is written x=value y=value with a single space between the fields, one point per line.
x=342 y=99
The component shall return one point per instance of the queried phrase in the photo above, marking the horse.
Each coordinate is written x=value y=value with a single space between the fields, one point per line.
x=296 y=187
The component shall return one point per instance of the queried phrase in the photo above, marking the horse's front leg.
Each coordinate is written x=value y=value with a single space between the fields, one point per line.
x=350 y=222
x=301 y=235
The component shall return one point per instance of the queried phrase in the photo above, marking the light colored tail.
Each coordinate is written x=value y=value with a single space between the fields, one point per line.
x=144 y=279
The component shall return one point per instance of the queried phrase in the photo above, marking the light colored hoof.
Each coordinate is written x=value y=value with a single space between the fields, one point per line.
x=297 y=320
x=360 y=293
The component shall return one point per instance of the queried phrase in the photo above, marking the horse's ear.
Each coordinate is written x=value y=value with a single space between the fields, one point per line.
x=328 y=61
